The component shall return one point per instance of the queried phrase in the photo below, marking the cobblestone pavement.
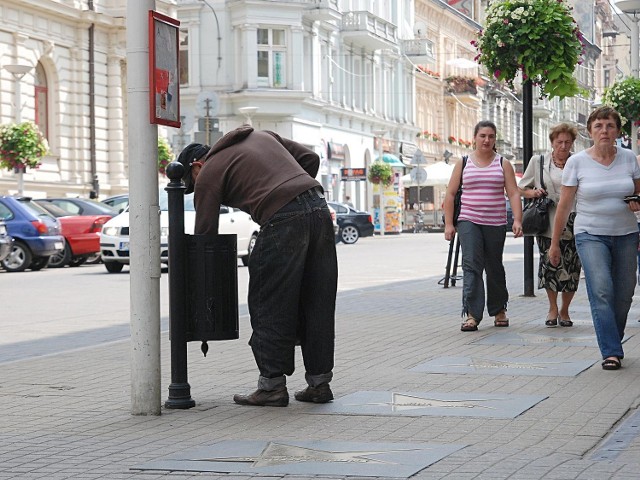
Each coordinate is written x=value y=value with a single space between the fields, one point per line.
x=67 y=414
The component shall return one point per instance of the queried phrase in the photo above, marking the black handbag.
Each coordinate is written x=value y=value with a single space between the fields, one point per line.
x=457 y=201
x=535 y=216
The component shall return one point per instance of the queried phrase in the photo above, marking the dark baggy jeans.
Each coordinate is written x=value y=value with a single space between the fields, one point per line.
x=482 y=248
x=293 y=276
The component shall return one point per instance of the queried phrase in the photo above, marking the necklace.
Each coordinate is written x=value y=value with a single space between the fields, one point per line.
x=555 y=161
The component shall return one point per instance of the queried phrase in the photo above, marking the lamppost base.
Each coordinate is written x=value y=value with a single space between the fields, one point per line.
x=180 y=397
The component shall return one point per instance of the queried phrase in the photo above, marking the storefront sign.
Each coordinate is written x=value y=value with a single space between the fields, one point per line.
x=335 y=151
x=353 y=174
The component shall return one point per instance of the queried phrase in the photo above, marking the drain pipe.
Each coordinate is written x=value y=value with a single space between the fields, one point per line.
x=95 y=186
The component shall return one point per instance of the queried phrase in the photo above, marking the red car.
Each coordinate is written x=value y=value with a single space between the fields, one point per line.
x=81 y=234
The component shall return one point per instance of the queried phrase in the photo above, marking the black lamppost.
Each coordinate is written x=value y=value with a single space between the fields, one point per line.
x=527 y=151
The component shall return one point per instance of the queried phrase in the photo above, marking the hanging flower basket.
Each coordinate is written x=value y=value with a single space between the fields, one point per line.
x=624 y=96
x=21 y=146
x=380 y=173
x=538 y=38
x=165 y=155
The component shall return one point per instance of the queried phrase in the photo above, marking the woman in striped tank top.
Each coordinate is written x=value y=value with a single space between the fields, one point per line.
x=481 y=226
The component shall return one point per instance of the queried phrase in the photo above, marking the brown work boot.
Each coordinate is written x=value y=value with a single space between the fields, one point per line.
x=265 y=398
x=320 y=394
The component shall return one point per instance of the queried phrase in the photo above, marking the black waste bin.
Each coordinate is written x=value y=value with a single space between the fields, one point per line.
x=212 y=288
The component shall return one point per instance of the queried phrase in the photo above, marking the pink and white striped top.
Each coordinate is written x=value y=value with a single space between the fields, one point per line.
x=483 y=199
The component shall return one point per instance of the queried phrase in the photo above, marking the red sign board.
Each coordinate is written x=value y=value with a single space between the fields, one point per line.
x=353 y=174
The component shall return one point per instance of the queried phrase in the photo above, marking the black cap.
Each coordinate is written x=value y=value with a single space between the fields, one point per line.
x=191 y=153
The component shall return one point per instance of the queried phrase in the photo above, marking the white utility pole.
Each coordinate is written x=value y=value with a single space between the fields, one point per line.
x=144 y=219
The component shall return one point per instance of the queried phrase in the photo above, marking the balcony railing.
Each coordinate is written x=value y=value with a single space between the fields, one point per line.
x=319 y=10
x=368 y=30
x=419 y=50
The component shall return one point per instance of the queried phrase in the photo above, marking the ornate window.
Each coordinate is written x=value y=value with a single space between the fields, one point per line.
x=271 y=57
x=184 y=57
x=42 y=101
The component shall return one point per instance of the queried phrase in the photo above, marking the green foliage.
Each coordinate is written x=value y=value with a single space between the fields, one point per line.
x=624 y=96
x=165 y=155
x=21 y=145
x=380 y=172
x=539 y=38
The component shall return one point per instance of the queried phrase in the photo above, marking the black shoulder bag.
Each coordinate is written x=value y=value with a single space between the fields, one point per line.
x=457 y=201
x=535 y=216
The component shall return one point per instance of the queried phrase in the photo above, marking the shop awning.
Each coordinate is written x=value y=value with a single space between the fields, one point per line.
x=392 y=160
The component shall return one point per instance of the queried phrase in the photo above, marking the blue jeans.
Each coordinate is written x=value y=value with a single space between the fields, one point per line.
x=610 y=274
x=293 y=276
x=482 y=247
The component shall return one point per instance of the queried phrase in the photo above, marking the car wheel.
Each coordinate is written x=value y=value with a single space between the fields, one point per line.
x=77 y=261
x=252 y=243
x=350 y=234
x=113 y=267
x=39 y=263
x=93 y=258
x=18 y=259
x=62 y=258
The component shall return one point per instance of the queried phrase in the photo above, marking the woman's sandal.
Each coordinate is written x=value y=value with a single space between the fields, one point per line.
x=502 y=321
x=469 y=325
x=611 y=364
x=551 y=322
x=566 y=323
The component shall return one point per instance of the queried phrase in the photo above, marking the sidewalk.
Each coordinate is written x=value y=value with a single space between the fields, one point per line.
x=67 y=415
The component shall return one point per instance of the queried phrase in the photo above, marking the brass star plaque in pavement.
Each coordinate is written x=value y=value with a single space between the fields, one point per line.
x=543 y=366
x=416 y=404
x=258 y=457
x=552 y=336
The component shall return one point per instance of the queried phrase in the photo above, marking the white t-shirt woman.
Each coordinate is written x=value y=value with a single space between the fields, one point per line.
x=600 y=205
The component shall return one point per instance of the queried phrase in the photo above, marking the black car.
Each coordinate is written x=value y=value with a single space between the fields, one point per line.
x=353 y=223
x=82 y=206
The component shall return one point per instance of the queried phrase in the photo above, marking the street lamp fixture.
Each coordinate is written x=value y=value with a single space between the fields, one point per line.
x=218 y=29
x=18 y=71
x=248 y=112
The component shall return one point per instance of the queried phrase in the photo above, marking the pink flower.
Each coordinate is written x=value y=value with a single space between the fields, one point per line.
x=496 y=73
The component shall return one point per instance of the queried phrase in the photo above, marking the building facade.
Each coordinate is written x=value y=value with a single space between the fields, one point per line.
x=349 y=78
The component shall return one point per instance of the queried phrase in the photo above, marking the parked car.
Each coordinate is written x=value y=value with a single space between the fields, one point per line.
x=6 y=241
x=117 y=202
x=114 y=239
x=82 y=206
x=36 y=234
x=334 y=219
x=353 y=223
x=81 y=234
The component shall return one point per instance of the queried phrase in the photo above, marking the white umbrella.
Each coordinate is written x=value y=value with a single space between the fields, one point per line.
x=438 y=173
